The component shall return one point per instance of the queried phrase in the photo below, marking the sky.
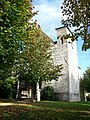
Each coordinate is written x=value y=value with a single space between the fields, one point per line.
x=49 y=17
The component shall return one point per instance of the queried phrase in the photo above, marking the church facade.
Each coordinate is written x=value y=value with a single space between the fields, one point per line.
x=64 y=51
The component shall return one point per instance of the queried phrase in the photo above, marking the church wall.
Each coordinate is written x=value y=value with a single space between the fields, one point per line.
x=67 y=87
x=60 y=56
x=64 y=51
x=73 y=72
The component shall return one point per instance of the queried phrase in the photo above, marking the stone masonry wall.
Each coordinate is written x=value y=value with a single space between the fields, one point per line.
x=64 y=52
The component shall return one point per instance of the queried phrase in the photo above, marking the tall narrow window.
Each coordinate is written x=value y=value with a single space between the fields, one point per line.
x=62 y=40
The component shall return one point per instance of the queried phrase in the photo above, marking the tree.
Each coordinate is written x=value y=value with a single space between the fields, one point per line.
x=36 y=64
x=24 y=49
x=8 y=88
x=85 y=81
x=78 y=16
x=14 y=16
x=14 y=21
x=37 y=57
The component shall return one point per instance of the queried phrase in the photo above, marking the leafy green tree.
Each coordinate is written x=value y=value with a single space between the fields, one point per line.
x=8 y=88
x=85 y=81
x=78 y=16
x=14 y=21
x=37 y=59
x=24 y=49
x=14 y=16
x=36 y=64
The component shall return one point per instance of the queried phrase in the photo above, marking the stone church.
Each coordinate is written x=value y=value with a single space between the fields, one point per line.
x=64 y=51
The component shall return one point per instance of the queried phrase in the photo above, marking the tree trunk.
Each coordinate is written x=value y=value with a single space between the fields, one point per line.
x=17 y=94
x=37 y=92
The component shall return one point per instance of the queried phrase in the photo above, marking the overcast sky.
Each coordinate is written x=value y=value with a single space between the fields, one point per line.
x=49 y=17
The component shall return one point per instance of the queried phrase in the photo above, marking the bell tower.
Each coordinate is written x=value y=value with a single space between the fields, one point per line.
x=64 y=52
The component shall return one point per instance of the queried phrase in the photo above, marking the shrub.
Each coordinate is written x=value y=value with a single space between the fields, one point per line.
x=47 y=93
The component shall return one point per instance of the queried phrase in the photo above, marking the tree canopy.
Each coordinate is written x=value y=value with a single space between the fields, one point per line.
x=85 y=81
x=14 y=21
x=37 y=59
x=14 y=16
x=78 y=16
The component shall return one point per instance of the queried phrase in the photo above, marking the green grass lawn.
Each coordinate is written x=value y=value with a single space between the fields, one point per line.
x=46 y=110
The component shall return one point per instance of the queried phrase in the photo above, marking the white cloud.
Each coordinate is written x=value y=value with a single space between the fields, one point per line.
x=49 y=16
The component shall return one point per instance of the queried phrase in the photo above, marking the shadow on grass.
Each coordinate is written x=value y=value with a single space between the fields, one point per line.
x=46 y=111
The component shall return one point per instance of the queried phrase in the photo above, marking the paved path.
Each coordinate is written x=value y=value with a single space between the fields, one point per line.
x=16 y=103
x=6 y=104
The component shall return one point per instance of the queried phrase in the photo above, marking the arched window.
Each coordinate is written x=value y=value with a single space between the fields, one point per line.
x=62 y=40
